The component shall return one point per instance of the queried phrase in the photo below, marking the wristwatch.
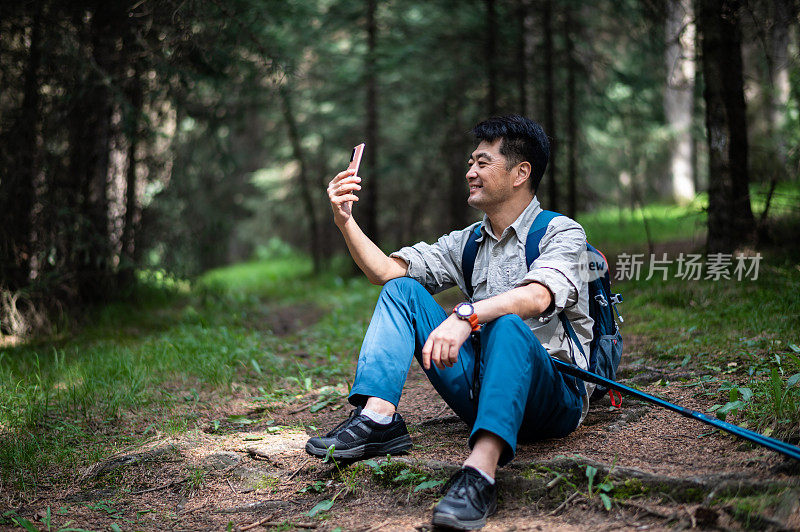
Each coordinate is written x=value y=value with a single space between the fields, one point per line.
x=466 y=312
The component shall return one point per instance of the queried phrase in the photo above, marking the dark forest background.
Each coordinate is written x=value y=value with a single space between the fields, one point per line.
x=184 y=135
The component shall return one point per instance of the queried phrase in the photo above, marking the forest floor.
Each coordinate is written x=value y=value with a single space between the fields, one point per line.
x=655 y=470
x=189 y=409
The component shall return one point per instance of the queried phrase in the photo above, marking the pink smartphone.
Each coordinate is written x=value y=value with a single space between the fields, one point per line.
x=355 y=158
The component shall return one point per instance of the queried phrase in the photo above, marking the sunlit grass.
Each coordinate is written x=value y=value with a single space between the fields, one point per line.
x=785 y=199
x=623 y=228
x=121 y=377
x=70 y=399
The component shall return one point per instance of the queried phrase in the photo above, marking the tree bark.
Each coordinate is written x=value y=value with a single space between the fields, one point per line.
x=678 y=96
x=17 y=186
x=132 y=214
x=490 y=51
x=778 y=63
x=730 y=218
x=572 y=124
x=523 y=9
x=454 y=149
x=550 y=104
x=83 y=231
x=303 y=176
x=371 y=192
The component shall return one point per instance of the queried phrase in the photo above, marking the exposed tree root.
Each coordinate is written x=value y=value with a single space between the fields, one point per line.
x=115 y=462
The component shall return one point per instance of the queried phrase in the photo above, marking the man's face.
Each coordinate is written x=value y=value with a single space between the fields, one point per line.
x=490 y=183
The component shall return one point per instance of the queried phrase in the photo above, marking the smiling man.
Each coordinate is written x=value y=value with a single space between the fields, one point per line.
x=514 y=391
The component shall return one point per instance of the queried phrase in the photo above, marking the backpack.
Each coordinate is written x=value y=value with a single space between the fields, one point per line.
x=605 y=349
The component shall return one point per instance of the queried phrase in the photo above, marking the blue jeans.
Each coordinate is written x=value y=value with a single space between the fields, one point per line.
x=522 y=394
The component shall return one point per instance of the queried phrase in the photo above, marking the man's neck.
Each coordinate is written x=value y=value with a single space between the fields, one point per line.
x=508 y=212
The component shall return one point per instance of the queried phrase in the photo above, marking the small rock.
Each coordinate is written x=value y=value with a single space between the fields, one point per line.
x=255 y=452
x=221 y=460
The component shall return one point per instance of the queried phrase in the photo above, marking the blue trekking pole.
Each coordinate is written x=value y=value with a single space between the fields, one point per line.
x=771 y=443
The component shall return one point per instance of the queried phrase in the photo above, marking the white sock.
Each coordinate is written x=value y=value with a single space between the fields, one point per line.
x=483 y=473
x=376 y=417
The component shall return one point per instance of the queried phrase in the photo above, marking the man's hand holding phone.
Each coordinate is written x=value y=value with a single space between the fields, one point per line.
x=342 y=188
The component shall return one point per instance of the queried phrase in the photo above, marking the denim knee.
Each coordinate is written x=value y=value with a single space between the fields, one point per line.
x=509 y=320
x=401 y=286
x=509 y=324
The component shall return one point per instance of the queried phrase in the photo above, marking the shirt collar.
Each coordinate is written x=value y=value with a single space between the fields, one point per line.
x=521 y=225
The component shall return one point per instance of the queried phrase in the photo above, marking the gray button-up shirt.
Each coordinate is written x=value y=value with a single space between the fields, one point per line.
x=500 y=266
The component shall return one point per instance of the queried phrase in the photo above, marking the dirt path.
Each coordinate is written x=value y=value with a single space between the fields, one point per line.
x=666 y=472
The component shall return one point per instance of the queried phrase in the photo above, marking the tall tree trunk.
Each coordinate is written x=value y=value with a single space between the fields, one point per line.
x=303 y=175
x=730 y=218
x=132 y=213
x=371 y=192
x=491 y=56
x=678 y=96
x=16 y=187
x=550 y=104
x=778 y=62
x=523 y=46
x=96 y=280
x=454 y=150
x=572 y=124
x=85 y=240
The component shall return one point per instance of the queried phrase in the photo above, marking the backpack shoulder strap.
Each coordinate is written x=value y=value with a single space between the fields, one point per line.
x=535 y=234
x=468 y=258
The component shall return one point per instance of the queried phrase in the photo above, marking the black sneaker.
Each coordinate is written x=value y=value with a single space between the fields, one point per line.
x=358 y=437
x=469 y=501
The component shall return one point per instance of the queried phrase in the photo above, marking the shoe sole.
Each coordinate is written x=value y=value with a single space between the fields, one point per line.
x=399 y=445
x=451 y=521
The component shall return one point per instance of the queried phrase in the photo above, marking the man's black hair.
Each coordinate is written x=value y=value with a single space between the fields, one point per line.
x=523 y=140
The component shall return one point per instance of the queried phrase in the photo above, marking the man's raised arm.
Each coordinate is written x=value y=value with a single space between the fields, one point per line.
x=376 y=265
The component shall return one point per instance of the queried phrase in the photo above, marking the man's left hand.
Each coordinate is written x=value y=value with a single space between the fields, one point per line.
x=443 y=343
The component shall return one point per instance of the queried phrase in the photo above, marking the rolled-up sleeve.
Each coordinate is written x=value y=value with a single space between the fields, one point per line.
x=558 y=265
x=436 y=266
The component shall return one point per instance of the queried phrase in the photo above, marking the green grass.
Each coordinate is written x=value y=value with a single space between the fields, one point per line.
x=624 y=228
x=148 y=366
x=785 y=199
x=617 y=229
x=76 y=397
x=732 y=333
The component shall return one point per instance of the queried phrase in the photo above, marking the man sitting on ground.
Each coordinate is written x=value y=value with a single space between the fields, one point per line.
x=521 y=394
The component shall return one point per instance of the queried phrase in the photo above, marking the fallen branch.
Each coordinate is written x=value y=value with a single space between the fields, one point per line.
x=648 y=510
x=564 y=504
x=378 y=526
x=298 y=469
x=115 y=462
x=444 y=409
x=288 y=523
x=679 y=487
x=438 y=421
x=254 y=506
x=259 y=523
x=306 y=407
x=193 y=510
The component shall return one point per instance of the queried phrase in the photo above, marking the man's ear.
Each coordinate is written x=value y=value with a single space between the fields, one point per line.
x=523 y=173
